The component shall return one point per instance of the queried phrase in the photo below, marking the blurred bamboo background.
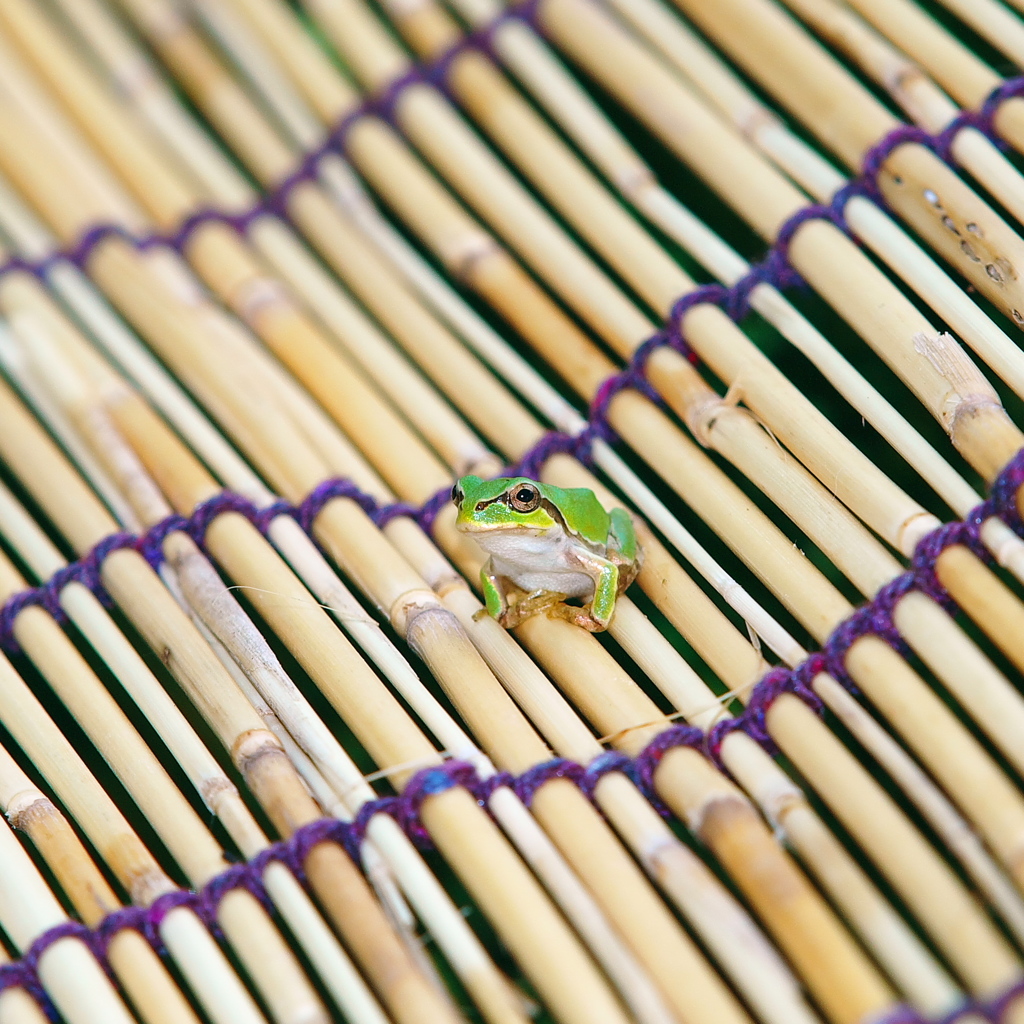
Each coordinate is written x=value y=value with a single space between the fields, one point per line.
x=275 y=273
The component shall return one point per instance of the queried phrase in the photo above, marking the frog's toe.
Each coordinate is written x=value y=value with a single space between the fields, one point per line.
x=582 y=617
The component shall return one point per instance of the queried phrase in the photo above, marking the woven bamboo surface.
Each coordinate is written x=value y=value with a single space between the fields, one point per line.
x=274 y=274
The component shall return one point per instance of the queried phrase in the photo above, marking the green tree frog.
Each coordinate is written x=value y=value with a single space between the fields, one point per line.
x=550 y=543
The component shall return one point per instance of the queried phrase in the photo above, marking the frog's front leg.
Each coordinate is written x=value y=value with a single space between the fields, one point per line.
x=495 y=596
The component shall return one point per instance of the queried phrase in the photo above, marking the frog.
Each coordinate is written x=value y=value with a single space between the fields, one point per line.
x=547 y=545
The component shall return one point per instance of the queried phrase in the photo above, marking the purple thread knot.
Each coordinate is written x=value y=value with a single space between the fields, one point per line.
x=646 y=763
x=150 y=544
x=532 y=779
x=901 y=135
x=337 y=487
x=602 y=765
x=995 y=1010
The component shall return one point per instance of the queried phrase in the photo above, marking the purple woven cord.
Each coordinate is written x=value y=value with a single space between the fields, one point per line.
x=336 y=487
x=485 y=788
x=901 y=135
x=554 y=442
x=982 y=119
x=532 y=779
x=602 y=765
x=150 y=544
x=901 y=1014
x=995 y=1010
x=431 y=509
x=396 y=510
x=874 y=618
x=646 y=763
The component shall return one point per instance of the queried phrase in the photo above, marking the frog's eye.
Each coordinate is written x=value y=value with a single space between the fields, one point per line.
x=525 y=498
x=457 y=494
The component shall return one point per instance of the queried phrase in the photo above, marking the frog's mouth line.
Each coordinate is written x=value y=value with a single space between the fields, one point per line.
x=468 y=526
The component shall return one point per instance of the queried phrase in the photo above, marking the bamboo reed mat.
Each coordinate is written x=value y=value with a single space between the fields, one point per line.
x=274 y=274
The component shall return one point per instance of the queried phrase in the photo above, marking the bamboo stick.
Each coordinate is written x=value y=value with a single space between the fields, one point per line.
x=404 y=759
x=975 y=385
x=284 y=986
x=575 y=205
x=768 y=786
x=919 y=97
x=529 y=754
x=216 y=790
x=217 y=986
x=145 y=979
x=747 y=966
x=225 y=619
x=458 y=745
x=394 y=305
x=961 y=73
x=994 y=24
x=69 y=974
x=722 y=90
x=232 y=271
x=587 y=219
x=911 y=174
x=255 y=752
x=551 y=85
x=763 y=200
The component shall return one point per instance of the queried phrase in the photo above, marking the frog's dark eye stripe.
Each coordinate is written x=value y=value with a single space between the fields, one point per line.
x=524 y=498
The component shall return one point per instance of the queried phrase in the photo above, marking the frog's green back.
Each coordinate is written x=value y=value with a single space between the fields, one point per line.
x=584 y=514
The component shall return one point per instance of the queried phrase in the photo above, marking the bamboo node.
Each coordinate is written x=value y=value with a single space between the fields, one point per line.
x=255 y=297
x=27 y=807
x=702 y=414
x=969 y=388
x=915 y=529
x=756 y=120
x=410 y=606
x=252 y=746
x=463 y=254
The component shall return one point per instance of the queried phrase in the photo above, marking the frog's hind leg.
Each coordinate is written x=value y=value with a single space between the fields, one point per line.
x=606 y=589
x=621 y=529
x=625 y=552
x=530 y=605
x=581 y=617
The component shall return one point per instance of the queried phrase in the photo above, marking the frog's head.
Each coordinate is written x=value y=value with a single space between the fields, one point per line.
x=507 y=503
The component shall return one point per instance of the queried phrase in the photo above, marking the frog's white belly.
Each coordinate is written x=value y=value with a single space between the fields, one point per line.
x=537 y=561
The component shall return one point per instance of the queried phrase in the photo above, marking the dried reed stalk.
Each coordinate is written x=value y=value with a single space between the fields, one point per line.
x=287 y=803
x=297 y=443
x=75 y=981
x=136 y=965
x=404 y=759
